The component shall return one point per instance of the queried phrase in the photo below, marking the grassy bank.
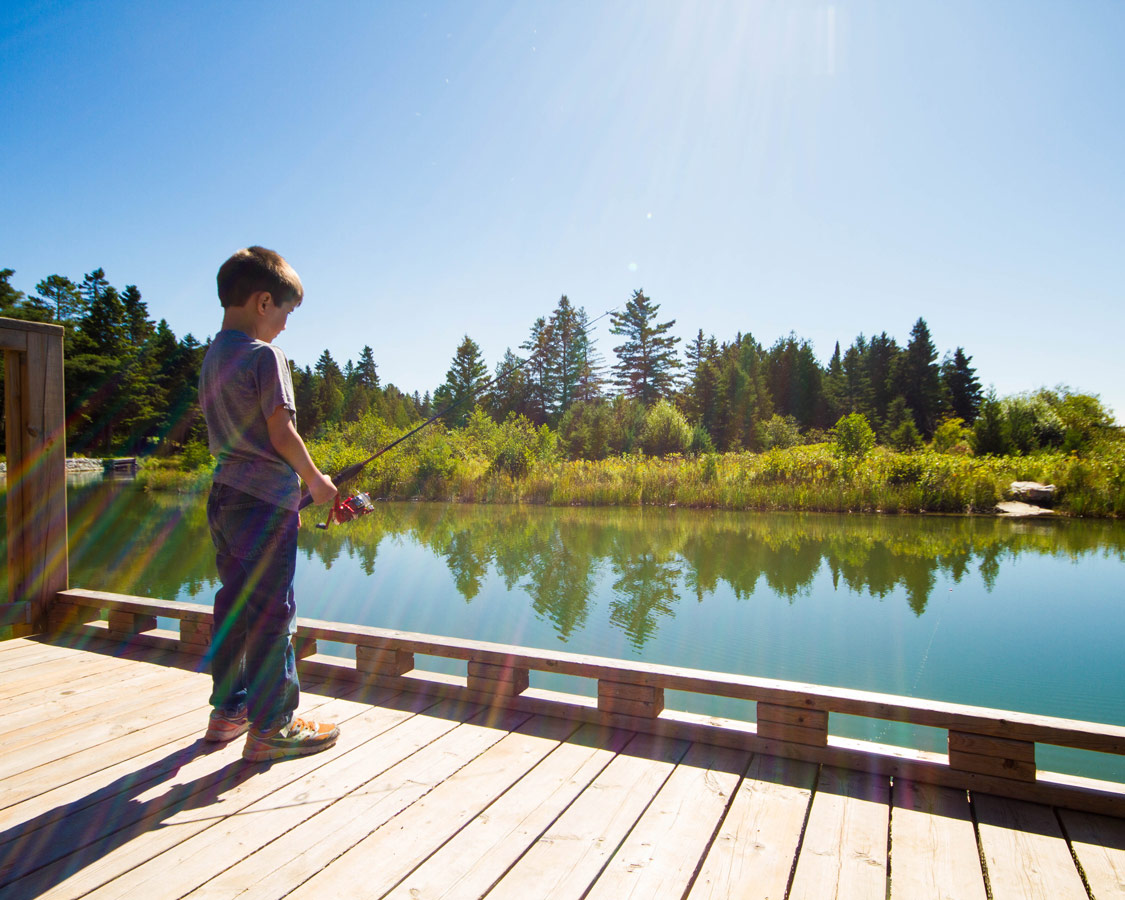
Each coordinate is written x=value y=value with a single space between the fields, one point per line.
x=447 y=467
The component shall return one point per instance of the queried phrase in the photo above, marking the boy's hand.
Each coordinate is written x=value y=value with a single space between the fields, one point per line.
x=321 y=488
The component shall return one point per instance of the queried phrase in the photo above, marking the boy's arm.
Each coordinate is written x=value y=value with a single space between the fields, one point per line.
x=287 y=442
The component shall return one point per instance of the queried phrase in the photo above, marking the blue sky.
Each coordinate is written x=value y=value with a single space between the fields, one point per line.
x=434 y=169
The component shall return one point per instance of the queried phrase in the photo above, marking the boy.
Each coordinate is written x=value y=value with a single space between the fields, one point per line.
x=246 y=393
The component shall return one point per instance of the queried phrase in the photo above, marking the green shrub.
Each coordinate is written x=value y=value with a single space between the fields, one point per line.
x=665 y=430
x=852 y=436
x=196 y=456
x=779 y=432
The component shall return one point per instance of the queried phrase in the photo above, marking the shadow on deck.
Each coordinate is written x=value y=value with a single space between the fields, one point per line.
x=107 y=790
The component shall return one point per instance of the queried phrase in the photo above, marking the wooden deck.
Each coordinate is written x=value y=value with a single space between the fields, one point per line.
x=106 y=790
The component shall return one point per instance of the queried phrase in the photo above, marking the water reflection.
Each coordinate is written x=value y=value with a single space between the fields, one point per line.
x=648 y=561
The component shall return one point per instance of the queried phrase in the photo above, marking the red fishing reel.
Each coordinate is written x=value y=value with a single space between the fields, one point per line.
x=346 y=510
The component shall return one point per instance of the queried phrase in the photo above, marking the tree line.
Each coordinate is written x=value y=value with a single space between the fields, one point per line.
x=131 y=384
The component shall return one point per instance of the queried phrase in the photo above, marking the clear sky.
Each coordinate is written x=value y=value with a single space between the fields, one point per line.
x=440 y=168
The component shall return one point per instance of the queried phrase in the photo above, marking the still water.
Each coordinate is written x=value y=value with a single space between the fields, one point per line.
x=1023 y=615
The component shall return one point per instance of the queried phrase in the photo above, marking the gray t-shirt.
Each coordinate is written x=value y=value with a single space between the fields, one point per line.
x=242 y=383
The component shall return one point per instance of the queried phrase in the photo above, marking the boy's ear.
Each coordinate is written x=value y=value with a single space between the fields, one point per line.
x=259 y=301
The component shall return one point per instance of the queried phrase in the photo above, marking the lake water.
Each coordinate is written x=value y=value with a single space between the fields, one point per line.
x=1011 y=614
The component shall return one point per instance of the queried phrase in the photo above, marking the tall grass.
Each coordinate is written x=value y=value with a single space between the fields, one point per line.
x=500 y=464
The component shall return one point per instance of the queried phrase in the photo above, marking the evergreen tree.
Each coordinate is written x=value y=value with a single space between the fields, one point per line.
x=138 y=326
x=465 y=378
x=961 y=385
x=882 y=351
x=835 y=386
x=510 y=392
x=62 y=295
x=328 y=394
x=365 y=370
x=540 y=347
x=647 y=363
x=918 y=378
x=10 y=299
x=857 y=395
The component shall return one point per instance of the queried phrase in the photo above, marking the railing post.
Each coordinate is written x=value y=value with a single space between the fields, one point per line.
x=497 y=681
x=793 y=724
x=379 y=661
x=987 y=755
x=625 y=699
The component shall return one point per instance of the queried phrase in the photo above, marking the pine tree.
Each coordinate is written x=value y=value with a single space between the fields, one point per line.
x=10 y=298
x=62 y=295
x=541 y=387
x=365 y=370
x=510 y=392
x=328 y=395
x=918 y=378
x=463 y=381
x=647 y=363
x=962 y=385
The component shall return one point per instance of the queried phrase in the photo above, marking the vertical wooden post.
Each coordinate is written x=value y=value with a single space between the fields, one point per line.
x=36 y=449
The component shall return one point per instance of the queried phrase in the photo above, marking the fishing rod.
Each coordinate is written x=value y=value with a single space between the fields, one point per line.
x=361 y=503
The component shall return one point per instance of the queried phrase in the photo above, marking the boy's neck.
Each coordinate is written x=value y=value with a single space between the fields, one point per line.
x=244 y=319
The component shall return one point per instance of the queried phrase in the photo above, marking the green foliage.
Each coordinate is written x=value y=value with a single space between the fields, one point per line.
x=852 y=436
x=665 y=430
x=905 y=437
x=196 y=456
x=951 y=436
x=779 y=432
x=647 y=363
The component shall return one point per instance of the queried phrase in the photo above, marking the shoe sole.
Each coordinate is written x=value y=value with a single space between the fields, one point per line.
x=267 y=753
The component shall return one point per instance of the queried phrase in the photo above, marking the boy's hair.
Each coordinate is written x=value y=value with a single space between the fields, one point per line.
x=254 y=269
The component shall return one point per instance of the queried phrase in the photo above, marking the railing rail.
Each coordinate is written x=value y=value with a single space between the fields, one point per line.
x=991 y=750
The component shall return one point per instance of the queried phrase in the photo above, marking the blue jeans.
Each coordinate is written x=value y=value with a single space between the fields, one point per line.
x=253 y=663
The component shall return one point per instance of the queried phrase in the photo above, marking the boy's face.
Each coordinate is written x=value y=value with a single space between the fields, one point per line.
x=274 y=316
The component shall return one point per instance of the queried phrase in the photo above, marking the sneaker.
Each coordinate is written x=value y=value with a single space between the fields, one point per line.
x=299 y=738
x=226 y=727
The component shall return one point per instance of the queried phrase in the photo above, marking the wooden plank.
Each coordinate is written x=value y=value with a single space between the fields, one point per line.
x=132 y=690
x=844 y=850
x=753 y=852
x=332 y=808
x=984 y=745
x=112 y=839
x=472 y=860
x=934 y=852
x=1099 y=844
x=18 y=499
x=12 y=328
x=13 y=341
x=382 y=662
x=662 y=852
x=81 y=732
x=18 y=643
x=337 y=860
x=46 y=432
x=34 y=654
x=121 y=766
x=1025 y=853
x=48 y=674
x=569 y=855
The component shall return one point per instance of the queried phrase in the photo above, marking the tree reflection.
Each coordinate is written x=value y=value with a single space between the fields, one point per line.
x=644 y=561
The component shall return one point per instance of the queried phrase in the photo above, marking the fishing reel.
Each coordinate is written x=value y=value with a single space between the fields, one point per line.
x=346 y=510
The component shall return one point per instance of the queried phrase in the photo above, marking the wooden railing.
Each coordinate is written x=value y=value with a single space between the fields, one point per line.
x=988 y=750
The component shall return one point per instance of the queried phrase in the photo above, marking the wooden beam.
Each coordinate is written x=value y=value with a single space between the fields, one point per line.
x=36 y=453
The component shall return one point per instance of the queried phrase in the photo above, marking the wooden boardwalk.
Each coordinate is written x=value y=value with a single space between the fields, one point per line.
x=106 y=790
